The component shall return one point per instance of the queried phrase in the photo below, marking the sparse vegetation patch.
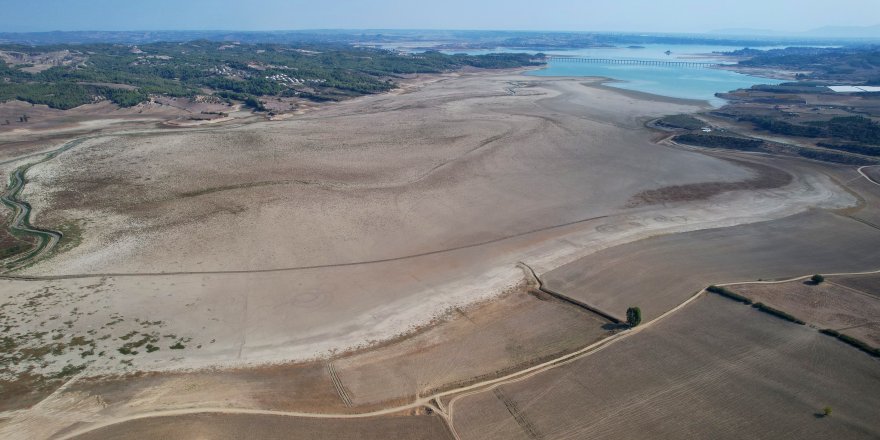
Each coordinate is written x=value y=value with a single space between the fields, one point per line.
x=778 y=313
x=685 y=122
x=852 y=341
x=723 y=291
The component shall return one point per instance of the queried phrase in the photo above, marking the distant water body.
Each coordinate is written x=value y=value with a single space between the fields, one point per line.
x=675 y=82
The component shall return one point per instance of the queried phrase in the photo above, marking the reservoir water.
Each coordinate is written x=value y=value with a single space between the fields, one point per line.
x=677 y=82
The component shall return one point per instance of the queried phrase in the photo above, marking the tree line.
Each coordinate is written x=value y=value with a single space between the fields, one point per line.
x=314 y=71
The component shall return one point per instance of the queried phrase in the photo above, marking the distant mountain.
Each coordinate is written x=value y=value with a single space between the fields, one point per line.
x=745 y=32
x=833 y=32
x=846 y=32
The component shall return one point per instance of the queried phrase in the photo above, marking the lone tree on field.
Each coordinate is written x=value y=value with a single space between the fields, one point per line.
x=817 y=279
x=633 y=316
x=826 y=411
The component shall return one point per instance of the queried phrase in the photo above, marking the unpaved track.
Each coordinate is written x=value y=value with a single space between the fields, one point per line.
x=296 y=268
x=457 y=393
x=861 y=171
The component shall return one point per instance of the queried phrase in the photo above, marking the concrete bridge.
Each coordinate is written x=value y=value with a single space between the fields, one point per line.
x=631 y=62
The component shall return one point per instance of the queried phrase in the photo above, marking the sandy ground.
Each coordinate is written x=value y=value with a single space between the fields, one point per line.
x=517 y=330
x=505 y=335
x=466 y=168
x=234 y=426
x=47 y=126
x=716 y=369
x=356 y=223
x=305 y=239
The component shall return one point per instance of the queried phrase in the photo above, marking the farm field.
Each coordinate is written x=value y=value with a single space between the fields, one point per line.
x=715 y=369
x=506 y=335
x=869 y=284
x=658 y=273
x=833 y=304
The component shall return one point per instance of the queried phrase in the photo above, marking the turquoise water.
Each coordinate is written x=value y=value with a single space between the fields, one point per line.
x=687 y=83
x=646 y=52
x=676 y=82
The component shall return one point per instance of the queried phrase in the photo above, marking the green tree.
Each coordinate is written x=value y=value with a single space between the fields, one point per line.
x=817 y=279
x=255 y=104
x=826 y=411
x=633 y=316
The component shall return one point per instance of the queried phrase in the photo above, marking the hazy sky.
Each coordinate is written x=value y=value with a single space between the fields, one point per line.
x=599 y=15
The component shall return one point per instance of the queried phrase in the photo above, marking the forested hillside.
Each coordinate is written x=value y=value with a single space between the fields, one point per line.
x=128 y=75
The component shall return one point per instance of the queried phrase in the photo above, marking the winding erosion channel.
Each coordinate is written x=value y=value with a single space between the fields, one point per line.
x=20 y=224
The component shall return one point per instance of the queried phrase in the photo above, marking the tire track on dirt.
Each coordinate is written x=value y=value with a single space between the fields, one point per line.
x=866 y=176
x=524 y=423
x=340 y=388
x=298 y=268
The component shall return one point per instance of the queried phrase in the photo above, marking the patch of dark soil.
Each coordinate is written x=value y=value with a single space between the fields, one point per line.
x=766 y=177
x=26 y=390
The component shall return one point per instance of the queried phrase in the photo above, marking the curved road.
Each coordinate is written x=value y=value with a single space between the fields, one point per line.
x=866 y=176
